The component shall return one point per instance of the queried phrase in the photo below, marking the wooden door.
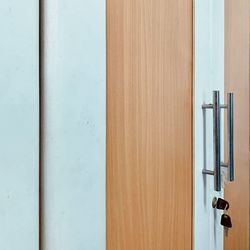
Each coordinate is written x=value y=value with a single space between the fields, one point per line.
x=149 y=124
x=237 y=80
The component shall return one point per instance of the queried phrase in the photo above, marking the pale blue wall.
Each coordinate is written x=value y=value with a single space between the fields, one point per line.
x=19 y=125
x=74 y=125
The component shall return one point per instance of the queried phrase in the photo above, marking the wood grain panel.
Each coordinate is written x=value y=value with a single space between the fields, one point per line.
x=237 y=80
x=149 y=124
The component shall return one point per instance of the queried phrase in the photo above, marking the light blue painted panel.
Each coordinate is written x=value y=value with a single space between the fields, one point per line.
x=74 y=125
x=19 y=124
x=208 y=76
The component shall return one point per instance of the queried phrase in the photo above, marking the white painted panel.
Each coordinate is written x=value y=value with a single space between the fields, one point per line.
x=208 y=76
x=19 y=125
x=74 y=125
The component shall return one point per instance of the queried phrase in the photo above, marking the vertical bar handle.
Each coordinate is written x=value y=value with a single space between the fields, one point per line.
x=216 y=106
x=230 y=135
x=216 y=139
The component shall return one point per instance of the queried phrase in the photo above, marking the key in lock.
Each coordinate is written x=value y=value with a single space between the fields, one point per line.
x=226 y=221
x=220 y=204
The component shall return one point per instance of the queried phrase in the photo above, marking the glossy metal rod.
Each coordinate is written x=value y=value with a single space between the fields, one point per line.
x=216 y=138
x=208 y=172
x=230 y=135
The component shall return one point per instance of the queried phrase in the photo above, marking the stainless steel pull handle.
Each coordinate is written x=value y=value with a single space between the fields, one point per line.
x=216 y=139
x=230 y=135
x=216 y=106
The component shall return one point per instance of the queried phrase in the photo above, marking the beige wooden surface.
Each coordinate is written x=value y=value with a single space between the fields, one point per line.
x=149 y=124
x=237 y=80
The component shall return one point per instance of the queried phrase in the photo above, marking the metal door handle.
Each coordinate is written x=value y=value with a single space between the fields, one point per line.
x=216 y=106
x=230 y=135
x=216 y=138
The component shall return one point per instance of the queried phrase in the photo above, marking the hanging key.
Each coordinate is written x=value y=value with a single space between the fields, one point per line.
x=220 y=204
x=226 y=221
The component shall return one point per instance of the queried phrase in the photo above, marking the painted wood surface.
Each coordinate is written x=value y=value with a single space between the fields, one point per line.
x=74 y=125
x=19 y=125
x=208 y=76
